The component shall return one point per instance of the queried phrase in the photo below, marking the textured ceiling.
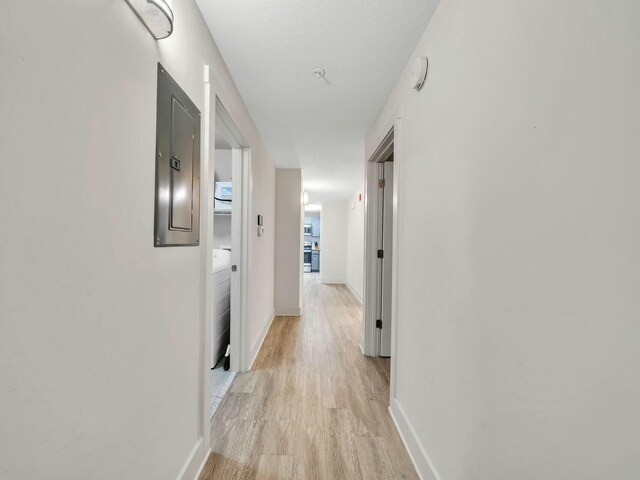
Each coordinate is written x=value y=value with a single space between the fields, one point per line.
x=272 y=47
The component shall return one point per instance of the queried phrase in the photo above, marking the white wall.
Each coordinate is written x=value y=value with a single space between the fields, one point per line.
x=100 y=332
x=222 y=231
x=223 y=165
x=288 y=242
x=260 y=303
x=355 y=243
x=222 y=223
x=519 y=271
x=333 y=254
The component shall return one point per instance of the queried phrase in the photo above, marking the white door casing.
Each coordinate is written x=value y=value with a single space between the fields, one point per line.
x=215 y=117
x=388 y=139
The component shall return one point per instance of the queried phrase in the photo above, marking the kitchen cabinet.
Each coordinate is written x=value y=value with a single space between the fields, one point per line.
x=315 y=225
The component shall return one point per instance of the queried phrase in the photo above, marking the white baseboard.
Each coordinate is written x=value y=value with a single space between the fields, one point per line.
x=204 y=462
x=288 y=312
x=419 y=456
x=258 y=344
x=354 y=291
x=195 y=462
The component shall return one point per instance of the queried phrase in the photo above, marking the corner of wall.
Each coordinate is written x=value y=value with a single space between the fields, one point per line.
x=195 y=462
x=354 y=291
x=288 y=312
x=255 y=349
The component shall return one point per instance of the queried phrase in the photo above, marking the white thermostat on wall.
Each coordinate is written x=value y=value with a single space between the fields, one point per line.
x=419 y=72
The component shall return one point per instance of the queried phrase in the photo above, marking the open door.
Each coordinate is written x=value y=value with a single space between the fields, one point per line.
x=379 y=288
x=385 y=249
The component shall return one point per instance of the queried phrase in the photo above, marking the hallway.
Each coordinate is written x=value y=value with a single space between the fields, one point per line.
x=313 y=406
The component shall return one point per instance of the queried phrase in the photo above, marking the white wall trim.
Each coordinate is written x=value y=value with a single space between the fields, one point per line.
x=258 y=344
x=398 y=168
x=195 y=462
x=289 y=312
x=206 y=253
x=421 y=460
x=355 y=294
x=204 y=462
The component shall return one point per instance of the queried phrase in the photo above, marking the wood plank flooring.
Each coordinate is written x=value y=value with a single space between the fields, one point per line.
x=312 y=407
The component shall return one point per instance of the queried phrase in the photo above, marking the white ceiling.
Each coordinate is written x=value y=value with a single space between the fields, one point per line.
x=272 y=47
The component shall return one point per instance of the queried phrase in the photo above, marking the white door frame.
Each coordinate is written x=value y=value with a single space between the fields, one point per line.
x=386 y=243
x=389 y=140
x=241 y=178
x=214 y=107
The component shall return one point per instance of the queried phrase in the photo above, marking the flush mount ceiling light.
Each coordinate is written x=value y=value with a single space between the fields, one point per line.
x=156 y=15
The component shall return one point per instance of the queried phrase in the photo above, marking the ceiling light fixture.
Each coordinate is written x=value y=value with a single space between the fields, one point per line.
x=419 y=72
x=319 y=73
x=156 y=15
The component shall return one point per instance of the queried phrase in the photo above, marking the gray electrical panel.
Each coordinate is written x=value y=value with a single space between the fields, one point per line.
x=177 y=212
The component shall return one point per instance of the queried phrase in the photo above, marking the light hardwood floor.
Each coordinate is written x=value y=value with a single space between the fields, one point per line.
x=312 y=407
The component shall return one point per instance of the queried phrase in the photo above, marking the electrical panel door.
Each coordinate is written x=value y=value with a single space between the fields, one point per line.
x=177 y=212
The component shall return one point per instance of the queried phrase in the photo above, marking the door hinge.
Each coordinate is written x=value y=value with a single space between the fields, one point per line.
x=380 y=253
x=381 y=183
x=379 y=324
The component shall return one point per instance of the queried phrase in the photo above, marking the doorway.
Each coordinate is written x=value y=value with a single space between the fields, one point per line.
x=228 y=268
x=311 y=262
x=380 y=238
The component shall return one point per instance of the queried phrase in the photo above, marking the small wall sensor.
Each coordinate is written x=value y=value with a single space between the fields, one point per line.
x=260 y=227
x=419 y=72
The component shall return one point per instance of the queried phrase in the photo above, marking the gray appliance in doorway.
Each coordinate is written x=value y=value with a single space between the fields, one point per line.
x=315 y=260
x=307 y=257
